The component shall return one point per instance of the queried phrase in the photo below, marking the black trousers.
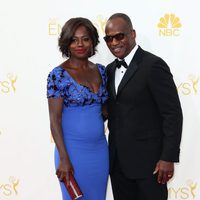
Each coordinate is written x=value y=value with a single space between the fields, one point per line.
x=136 y=189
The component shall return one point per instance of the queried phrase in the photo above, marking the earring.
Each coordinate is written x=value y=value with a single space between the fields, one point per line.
x=92 y=51
x=68 y=53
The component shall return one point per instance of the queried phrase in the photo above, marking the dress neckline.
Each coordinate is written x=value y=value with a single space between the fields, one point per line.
x=81 y=85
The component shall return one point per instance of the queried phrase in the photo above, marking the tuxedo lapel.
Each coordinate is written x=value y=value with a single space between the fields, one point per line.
x=127 y=76
x=129 y=73
x=133 y=67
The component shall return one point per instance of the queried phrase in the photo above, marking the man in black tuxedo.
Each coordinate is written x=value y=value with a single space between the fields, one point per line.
x=144 y=117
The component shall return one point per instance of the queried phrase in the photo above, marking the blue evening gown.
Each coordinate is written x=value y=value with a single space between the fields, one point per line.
x=83 y=132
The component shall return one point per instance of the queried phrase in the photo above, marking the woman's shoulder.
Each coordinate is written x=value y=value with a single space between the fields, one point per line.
x=57 y=71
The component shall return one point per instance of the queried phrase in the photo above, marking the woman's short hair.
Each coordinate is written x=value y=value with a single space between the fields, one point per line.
x=68 y=31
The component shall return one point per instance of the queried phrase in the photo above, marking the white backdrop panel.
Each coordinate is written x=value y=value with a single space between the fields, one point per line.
x=29 y=31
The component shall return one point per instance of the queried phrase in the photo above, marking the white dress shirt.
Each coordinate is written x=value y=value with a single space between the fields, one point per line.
x=119 y=72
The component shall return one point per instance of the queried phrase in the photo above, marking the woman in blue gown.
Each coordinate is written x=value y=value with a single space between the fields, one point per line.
x=76 y=92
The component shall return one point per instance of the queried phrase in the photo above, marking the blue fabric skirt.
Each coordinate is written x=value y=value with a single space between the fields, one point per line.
x=85 y=141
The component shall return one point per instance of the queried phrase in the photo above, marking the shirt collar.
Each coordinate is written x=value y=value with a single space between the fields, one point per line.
x=129 y=57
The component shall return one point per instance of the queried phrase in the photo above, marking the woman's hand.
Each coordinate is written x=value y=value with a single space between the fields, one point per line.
x=104 y=112
x=65 y=167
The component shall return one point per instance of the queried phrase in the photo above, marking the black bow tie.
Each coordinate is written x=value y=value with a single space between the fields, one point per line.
x=121 y=63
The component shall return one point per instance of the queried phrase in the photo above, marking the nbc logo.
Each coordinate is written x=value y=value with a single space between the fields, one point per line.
x=169 y=25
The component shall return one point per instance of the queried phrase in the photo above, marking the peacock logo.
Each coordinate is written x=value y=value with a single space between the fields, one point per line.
x=169 y=25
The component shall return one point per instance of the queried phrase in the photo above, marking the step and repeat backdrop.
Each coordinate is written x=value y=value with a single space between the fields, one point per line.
x=29 y=32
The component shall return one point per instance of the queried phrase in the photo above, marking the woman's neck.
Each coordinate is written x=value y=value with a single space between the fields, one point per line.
x=74 y=63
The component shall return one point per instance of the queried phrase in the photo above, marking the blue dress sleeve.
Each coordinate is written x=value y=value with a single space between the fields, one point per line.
x=54 y=84
x=104 y=75
x=104 y=93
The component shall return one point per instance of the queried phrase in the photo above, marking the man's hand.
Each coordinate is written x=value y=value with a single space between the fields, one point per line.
x=165 y=171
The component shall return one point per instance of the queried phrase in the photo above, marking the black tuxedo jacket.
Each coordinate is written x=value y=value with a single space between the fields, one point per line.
x=144 y=117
